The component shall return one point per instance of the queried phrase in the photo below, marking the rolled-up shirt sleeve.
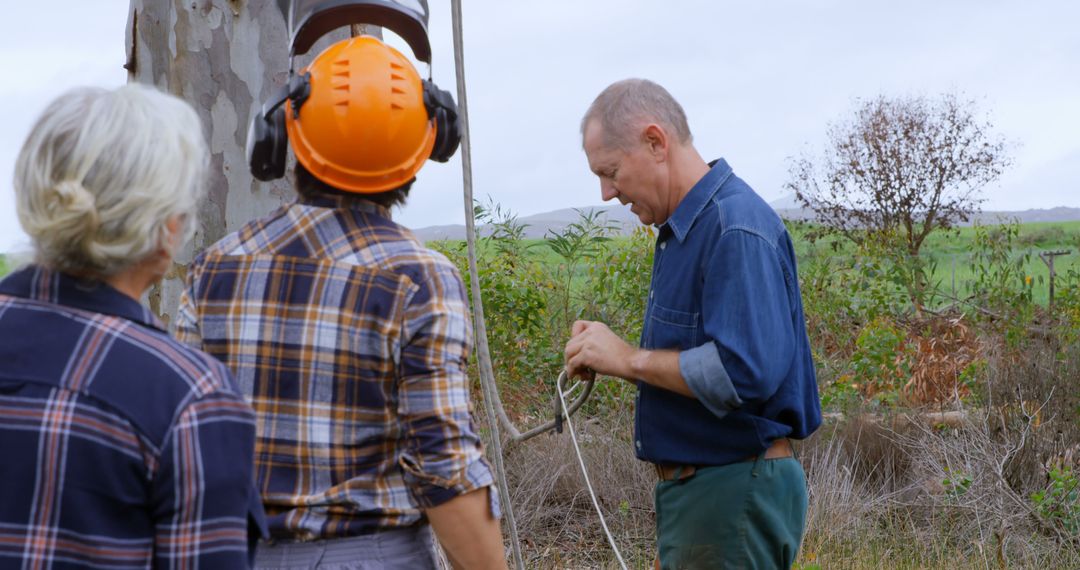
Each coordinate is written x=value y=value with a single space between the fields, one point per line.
x=746 y=311
x=443 y=455
x=186 y=328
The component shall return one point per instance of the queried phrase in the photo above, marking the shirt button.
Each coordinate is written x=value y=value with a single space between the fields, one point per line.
x=663 y=244
x=638 y=443
x=651 y=293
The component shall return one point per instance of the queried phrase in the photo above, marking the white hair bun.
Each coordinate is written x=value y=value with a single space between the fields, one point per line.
x=74 y=202
x=101 y=174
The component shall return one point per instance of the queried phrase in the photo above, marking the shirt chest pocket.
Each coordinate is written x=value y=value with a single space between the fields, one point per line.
x=673 y=329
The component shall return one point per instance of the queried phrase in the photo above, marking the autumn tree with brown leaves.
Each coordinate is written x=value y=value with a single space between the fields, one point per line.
x=902 y=167
x=895 y=172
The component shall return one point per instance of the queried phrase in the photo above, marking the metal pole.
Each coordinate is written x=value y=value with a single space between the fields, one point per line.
x=1048 y=259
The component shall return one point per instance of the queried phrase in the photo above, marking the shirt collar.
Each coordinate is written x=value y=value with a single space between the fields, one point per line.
x=697 y=198
x=343 y=201
x=38 y=283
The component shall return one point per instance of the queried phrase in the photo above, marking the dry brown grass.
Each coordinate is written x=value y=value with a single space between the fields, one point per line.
x=906 y=493
x=885 y=492
x=556 y=521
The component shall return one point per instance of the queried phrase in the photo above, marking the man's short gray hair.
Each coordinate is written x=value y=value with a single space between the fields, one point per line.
x=627 y=105
x=103 y=171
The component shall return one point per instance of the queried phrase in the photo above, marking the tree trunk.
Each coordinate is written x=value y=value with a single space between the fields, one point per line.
x=224 y=57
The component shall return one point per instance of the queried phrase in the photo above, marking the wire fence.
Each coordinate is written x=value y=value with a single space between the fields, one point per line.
x=956 y=274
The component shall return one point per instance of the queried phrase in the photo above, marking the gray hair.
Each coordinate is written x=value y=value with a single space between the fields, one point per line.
x=627 y=105
x=101 y=173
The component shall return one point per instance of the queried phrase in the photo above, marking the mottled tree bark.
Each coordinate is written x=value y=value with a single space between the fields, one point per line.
x=224 y=57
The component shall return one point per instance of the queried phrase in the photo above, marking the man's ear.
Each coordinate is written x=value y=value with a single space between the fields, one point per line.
x=656 y=140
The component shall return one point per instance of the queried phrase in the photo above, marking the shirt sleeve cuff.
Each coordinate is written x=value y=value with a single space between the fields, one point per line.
x=707 y=378
x=431 y=490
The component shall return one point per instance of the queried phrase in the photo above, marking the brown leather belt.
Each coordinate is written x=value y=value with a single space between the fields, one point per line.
x=779 y=449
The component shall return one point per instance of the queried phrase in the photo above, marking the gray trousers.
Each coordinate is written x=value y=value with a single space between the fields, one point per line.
x=408 y=548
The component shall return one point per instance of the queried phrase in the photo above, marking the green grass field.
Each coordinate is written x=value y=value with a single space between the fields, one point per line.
x=951 y=251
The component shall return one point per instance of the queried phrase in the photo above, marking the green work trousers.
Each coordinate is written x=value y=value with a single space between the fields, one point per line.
x=746 y=515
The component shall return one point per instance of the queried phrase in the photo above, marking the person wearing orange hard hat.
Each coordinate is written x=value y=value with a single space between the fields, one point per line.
x=349 y=338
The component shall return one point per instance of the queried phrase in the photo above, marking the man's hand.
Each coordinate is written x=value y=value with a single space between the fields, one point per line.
x=593 y=348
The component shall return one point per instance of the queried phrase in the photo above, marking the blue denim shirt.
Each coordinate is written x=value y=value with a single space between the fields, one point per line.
x=725 y=293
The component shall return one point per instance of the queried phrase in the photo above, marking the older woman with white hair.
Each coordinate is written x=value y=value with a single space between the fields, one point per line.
x=122 y=447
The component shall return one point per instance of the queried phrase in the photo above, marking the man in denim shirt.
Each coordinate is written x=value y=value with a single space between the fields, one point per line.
x=724 y=372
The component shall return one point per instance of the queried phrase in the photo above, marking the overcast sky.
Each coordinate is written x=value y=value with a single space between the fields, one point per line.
x=759 y=81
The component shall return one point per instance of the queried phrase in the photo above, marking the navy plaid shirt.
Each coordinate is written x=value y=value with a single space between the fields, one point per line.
x=122 y=448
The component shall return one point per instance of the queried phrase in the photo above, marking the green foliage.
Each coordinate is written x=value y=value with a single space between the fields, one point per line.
x=580 y=243
x=534 y=291
x=841 y=394
x=860 y=302
x=956 y=483
x=886 y=254
x=515 y=292
x=882 y=359
x=1067 y=307
x=971 y=375
x=4 y=269
x=1000 y=279
x=1060 y=501
x=1000 y=284
x=619 y=283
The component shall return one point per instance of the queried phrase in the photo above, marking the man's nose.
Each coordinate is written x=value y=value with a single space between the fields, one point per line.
x=607 y=190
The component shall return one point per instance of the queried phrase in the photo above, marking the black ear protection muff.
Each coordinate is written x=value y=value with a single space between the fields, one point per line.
x=267 y=138
x=442 y=109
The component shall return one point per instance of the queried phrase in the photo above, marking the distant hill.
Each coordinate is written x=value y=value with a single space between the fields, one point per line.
x=539 y=225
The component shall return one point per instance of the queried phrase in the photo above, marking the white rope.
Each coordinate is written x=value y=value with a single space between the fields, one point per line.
x=492 y=405
x=487 y=375
x=584 y=471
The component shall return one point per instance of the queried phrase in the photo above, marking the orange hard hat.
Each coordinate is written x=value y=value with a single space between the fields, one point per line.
x=364 y=127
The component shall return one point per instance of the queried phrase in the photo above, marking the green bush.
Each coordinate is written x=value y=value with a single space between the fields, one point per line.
x=618 y=283
x=882 y=360
x=1059 y=503
x=534 y=291
x=1001 y=287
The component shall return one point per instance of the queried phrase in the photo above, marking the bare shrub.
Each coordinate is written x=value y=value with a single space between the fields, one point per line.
x=910 y=491
x=1039 y=385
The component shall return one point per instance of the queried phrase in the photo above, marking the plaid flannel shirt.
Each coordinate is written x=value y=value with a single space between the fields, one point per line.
x=122 y=448
x=350 y=340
